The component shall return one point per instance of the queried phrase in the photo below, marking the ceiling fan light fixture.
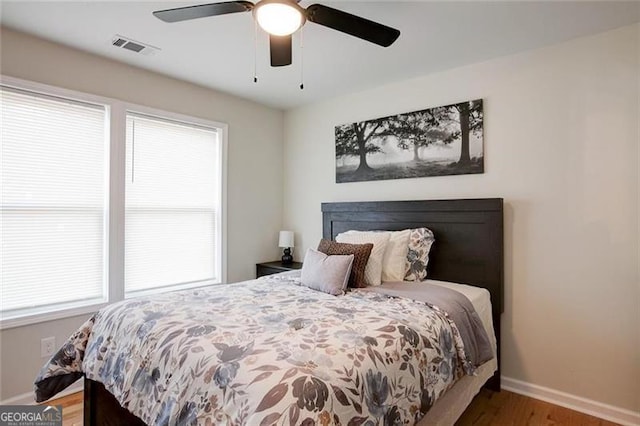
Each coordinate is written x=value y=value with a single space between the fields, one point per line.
x=279 y=17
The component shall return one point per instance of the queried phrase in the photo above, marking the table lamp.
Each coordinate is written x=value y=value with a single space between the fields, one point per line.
x=286 y=242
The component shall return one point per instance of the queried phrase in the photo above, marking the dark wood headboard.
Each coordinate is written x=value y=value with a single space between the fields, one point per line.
x=469 y=239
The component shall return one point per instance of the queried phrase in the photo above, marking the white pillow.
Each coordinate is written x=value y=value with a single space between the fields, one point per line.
x=394 y=262
x=373 y=270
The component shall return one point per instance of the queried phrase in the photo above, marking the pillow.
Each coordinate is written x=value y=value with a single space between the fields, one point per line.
x=329 y=274
x=420 y=241
x=373 y=271
x=394 y=262
x=360 y=252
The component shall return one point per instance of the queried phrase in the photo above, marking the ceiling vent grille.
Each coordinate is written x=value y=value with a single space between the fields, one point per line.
x=133 y=45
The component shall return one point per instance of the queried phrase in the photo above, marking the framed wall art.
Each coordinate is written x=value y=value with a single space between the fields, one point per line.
x=439 y=141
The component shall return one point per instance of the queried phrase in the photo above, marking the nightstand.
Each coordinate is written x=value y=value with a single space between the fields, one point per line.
x=269 y=268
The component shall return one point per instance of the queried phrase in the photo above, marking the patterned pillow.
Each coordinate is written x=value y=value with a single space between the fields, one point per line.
x=360 y=252
x=420 y=241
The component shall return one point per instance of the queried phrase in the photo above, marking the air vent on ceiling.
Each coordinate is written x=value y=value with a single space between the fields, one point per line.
x=132 y=45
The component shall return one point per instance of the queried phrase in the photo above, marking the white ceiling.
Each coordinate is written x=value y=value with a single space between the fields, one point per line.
x=218 y=52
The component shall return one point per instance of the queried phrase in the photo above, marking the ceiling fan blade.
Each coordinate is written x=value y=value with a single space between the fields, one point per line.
x=352 y=24
x=280 y=48
x=202 y=11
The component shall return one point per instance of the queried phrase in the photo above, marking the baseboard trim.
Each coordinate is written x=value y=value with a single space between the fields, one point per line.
x=594 y=408
x=28 y=398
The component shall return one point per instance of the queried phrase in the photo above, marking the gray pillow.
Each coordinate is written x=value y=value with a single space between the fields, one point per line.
x=329 y=274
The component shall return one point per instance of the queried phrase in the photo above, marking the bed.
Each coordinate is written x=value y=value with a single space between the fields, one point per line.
x=469 y=244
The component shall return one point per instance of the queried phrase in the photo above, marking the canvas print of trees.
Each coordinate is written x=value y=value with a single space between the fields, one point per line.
x=438 y=141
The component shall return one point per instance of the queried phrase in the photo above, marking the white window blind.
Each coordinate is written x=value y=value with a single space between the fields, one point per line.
x=53 y=199
x=172 y=210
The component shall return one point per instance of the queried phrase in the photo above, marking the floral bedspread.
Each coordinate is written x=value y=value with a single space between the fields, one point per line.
x=264 y=352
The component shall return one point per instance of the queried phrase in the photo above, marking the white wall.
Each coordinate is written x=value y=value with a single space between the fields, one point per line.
x=561 y=147
x=255 y=139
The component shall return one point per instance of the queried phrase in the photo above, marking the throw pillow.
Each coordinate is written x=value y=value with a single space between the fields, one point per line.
x=360 y=252
x=329 y=274
x=373 y=271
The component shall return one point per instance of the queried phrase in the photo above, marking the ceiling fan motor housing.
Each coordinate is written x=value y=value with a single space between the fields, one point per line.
x=281 y=18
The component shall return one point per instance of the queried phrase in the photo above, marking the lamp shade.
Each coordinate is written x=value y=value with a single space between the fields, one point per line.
x=286 y=239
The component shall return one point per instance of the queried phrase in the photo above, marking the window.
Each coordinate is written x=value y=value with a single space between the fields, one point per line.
x=172 y=214
x=53 y=201
x=102 y=200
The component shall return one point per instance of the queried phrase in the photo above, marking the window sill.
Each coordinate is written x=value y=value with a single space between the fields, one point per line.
x=30 y=319
x=63 y=313
x=172 y=288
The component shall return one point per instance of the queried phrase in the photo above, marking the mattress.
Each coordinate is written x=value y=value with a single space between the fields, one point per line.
x=479 y=298
x=452 y=404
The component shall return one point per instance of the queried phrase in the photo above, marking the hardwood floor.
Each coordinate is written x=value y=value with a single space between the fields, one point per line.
x=488 y=408
x=71 y=408
x=508 y=408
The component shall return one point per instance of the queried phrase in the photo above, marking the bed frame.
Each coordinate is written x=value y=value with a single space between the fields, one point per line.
x=468 y=249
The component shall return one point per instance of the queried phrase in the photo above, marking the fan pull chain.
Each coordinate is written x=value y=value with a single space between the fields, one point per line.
x=301 y=60
x=255 y=51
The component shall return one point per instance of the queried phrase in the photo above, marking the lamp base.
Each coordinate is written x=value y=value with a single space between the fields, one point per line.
x=287 y=259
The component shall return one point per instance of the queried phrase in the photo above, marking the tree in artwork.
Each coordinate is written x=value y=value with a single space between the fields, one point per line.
x=469 y=117
x=420 y=129
x=357 y=139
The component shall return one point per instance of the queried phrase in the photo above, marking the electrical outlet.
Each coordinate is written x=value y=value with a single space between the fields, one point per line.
x=47 y=346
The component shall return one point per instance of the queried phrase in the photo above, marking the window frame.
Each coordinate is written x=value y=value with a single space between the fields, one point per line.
x=114 y=215
x=152 y=113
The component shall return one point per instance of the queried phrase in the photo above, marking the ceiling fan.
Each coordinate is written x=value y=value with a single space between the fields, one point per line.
x=282 y=18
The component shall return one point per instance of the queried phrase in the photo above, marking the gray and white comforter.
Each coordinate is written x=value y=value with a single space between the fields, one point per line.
x=267 y=351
